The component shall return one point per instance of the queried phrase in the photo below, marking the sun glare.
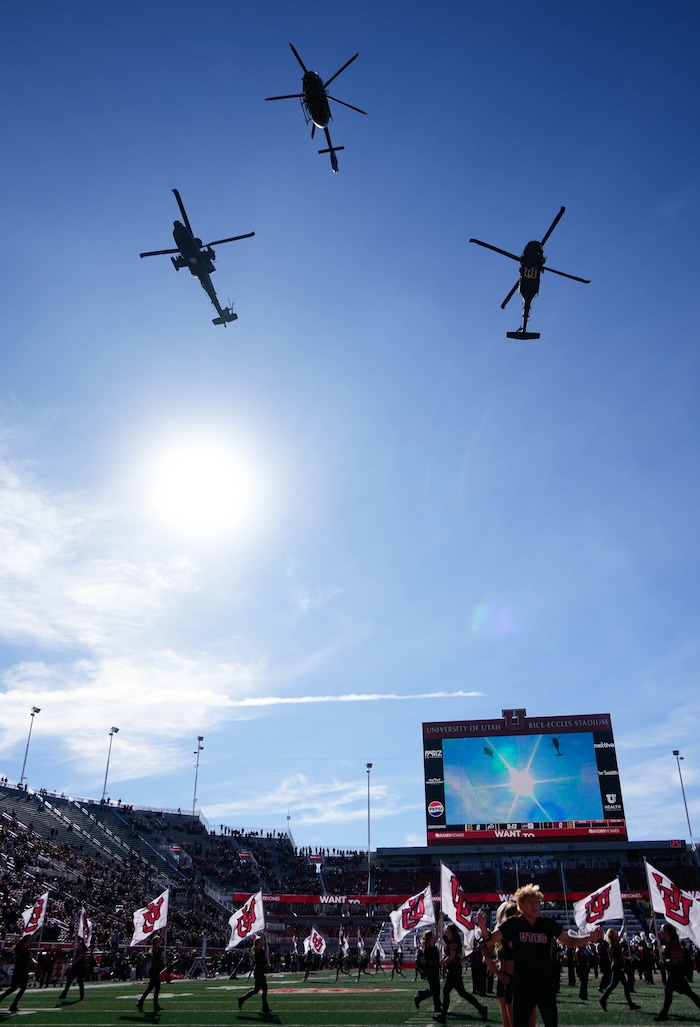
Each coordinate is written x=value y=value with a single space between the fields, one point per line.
x=202 y=488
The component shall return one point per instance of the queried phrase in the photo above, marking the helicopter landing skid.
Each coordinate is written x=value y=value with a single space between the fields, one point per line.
x=522 y=335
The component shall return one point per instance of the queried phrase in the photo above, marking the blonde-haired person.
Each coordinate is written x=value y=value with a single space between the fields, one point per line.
x=528 y=939
x=617 y=959
x=502 y=966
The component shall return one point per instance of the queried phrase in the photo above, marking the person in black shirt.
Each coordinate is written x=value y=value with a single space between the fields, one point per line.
x=529 y=938
x=672 y=960
x=77 y=971
x=20 y=973
x=157 y=965
x=259 y=975
x=431 y=970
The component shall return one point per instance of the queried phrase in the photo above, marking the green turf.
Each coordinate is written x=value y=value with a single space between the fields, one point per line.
x=320 y=1002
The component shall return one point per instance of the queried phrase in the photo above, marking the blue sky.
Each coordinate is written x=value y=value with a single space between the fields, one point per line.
x=360 y=507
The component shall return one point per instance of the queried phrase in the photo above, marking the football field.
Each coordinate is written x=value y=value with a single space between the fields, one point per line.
x=318 y=1002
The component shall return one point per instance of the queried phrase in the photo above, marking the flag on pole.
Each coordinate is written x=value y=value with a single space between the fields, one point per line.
x=418 y=911
x=315 y=942
x=35 y=915
x=247 y=921
x=85 y=928
x=601 y=905
x=152 y=917
x=377 y=953
x=455 y=905
x=679 y=907
x=360 y=944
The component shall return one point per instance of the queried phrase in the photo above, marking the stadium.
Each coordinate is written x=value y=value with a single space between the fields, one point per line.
x=485 y=781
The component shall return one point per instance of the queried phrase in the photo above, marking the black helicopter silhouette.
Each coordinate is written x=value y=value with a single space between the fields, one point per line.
x=532 y=264
x=314 y=101
x=198 y=258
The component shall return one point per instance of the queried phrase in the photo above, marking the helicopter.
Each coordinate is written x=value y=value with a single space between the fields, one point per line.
x=198 y=258
x=314 y=101
x=532 y=264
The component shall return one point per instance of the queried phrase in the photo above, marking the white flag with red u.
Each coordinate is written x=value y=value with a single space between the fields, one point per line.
x=151 y=918
x=315 y=942
x=85 y=928
x=679 y=907
x=456 y=906
x=35 y=915
x=247 y=921
x=599 y=906
x=418 y=911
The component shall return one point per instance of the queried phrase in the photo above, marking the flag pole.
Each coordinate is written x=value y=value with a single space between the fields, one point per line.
x=651 y=901
x=563 y=888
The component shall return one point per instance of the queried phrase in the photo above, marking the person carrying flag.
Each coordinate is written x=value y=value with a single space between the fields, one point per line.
x=77 y=971
x=431 y=969
x=453 y=978
x=259 y=976
x=20 y=972
x=157 y=966
x=672 y=961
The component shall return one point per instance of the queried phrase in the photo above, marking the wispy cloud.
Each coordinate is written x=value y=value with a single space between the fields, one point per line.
x=316 y=800
x=292 y=700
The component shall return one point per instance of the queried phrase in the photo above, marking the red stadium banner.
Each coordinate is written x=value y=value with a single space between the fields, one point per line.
x=396 y=900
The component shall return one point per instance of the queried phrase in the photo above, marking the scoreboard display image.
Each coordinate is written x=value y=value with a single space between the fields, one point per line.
x=522 y=777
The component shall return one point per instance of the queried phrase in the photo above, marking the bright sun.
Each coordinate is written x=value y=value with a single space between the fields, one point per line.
x=202 y=488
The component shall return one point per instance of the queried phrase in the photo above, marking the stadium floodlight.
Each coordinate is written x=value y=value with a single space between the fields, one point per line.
x=200 y=748
x=677 y=754
x=35 y=710
x=112 y=732
x=369 y=865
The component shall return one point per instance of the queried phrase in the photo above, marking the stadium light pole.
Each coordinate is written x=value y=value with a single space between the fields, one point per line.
x=35 y=710
x=200 y=748
x=112 y=732
x=677 y=754
x=369 y=849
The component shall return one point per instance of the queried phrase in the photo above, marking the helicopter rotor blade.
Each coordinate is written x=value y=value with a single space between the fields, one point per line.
x=183 y=211
x=233 y=238
x=563 y=274
x=353 y=58
x=303 y=66
x=496 y=249
x=510 y=295
x=313 y=129
x=336 y=100
x=553 y=226
x=157 y=253
x=288 y=96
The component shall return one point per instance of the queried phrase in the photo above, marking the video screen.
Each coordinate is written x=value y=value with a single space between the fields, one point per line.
x=522 y=777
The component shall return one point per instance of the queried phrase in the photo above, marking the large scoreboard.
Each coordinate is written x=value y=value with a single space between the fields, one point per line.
x=522 y=778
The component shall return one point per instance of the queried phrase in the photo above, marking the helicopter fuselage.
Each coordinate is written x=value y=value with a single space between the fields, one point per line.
x=531 y=265
x=198 y=261
x=316 y=99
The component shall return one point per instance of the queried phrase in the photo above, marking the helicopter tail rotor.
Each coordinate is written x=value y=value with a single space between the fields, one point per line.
x=227 y=315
